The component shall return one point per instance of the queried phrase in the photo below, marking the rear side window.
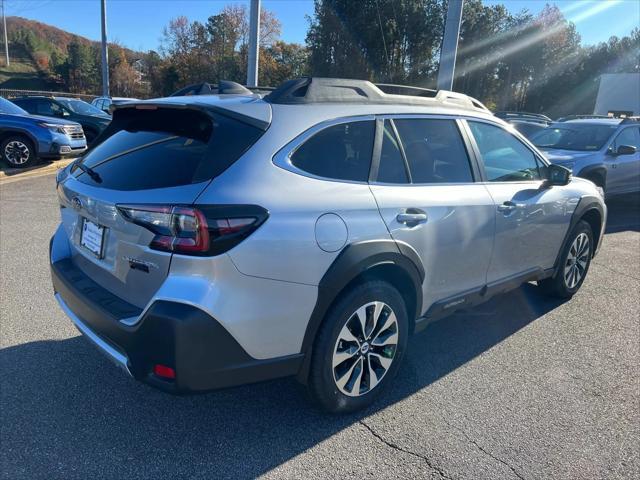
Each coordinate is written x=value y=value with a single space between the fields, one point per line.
x=505 y=158
x=435 y=151
x=341 y=152
x=166 y=148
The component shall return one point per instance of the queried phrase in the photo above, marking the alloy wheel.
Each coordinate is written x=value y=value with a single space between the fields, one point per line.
x=365 y=349
x=16 y=152
x=577 y=260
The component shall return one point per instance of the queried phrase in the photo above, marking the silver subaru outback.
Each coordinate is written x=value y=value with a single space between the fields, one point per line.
x=211 y=241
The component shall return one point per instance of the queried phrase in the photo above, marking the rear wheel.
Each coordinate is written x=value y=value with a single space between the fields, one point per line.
x=17 y=151
x=574 y=263
x=359 y=347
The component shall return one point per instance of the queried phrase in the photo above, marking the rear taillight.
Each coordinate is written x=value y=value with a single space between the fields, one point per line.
x=195 y=231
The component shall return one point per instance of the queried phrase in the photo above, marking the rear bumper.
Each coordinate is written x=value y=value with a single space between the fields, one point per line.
x=201 y=351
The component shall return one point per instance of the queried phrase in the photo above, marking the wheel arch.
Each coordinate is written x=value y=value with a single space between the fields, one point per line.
x=396 y=263
x=8 y=132
x=590 y=209
x=594 y=171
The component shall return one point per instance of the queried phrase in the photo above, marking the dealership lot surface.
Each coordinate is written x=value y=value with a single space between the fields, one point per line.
x=523 y=387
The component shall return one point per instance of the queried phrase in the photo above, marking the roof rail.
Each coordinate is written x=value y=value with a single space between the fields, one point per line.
x=522 y=115
x=632 y=119
x=580 y=117
x=406 y=90
x=308 y=90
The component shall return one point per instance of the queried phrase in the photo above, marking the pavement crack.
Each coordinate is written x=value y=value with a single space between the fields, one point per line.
x=395 y=446
x=485 y=451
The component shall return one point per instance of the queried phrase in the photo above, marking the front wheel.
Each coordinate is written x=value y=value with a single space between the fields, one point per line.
x=359 y=347
x=18 y=152
x=575 y=260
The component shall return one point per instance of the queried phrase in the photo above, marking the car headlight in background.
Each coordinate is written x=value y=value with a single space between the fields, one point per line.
x=54 y=127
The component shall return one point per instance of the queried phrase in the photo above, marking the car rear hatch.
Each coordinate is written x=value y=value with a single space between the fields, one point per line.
x=150 y=164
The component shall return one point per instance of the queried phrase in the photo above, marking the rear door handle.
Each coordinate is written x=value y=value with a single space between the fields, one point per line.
x=412 y=218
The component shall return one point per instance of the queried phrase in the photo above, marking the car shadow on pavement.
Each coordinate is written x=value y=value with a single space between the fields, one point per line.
x=70 y=414
x=623 y=213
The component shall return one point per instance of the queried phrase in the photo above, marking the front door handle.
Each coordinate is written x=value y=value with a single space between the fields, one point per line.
x=412 y=217
x=508 y=207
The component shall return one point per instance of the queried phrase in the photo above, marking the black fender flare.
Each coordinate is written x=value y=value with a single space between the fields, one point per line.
x=585 y=204
x=591 y=170
x=354 y=260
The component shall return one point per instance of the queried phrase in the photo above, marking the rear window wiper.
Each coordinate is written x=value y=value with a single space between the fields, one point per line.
x=95 y=176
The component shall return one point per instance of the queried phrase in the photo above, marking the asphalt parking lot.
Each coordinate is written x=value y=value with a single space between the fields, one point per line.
x=523 y=387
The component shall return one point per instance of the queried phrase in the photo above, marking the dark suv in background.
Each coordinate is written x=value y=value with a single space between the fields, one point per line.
x=92 y=119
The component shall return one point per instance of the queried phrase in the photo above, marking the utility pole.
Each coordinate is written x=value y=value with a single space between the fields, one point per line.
x=6 y=42
x=105 y=51
x=254 y=42
x=450 y=45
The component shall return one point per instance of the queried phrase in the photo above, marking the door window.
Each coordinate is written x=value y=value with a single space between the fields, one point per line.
x=49 y=108
x=392 y=167
x=629 y=136
x=341 y=152
x=505 y=158
x=435 y=151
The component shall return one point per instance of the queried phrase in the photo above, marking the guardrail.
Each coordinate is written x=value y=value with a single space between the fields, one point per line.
x=11 y=93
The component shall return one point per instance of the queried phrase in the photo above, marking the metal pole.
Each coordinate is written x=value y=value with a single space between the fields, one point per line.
x=450 y=45
x=254 y=42
x=105 y=51
x=6 y=42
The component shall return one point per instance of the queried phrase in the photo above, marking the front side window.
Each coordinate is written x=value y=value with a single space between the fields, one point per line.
x=505 y=158
x=49 y=108
x=435 y=151
x=629 y=136
x=341 y=152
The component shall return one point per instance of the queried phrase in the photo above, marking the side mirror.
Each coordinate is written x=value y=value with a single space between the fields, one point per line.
x=557 y=175
x=625 y=150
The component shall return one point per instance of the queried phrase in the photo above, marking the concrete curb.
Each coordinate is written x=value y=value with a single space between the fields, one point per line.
x=11 y=175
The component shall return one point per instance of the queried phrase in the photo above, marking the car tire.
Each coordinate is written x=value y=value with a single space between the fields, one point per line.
x=574 y=263
x=348 y=369
x=18 y=152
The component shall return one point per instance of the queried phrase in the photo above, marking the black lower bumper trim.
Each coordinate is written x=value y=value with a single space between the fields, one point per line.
x=202 y=352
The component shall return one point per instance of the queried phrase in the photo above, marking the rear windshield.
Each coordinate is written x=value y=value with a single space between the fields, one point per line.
x=146 y=149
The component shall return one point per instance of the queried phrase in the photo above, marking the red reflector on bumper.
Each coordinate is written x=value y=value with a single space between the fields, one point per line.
x=164 y=371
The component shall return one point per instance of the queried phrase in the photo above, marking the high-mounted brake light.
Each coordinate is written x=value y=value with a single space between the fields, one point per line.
x=191 y=231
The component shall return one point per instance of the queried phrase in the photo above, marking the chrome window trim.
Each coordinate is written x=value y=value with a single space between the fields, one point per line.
x=282 y=158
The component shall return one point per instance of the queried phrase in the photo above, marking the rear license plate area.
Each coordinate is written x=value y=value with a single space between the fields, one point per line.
x=92 y=237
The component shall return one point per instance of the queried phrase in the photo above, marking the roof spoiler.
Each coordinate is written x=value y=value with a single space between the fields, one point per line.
x=198 y=106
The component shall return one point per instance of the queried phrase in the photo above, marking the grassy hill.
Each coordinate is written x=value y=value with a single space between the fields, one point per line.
x=22 y=73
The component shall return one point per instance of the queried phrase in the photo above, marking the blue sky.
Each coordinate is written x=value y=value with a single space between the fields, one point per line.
x=138 y=23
